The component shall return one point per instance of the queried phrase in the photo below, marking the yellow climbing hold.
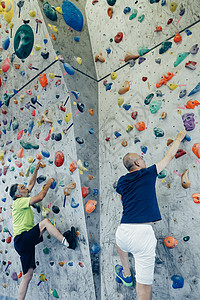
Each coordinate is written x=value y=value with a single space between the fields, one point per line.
x=79 y=60
x=32 y=13
x=81 y=166
x=51 y=75
x=55 y=29
x=30 y=159
x=129 y=128
x=11 y=25
x=45 y=211
x=1 y=71
x=113 y=75
x=120 y=101
x=172 y=86
x=173 y=6
x=8 y=11
x=42 y=277
x=37 y=47
x=68 y=117
x=27 y=171
x=59 y=9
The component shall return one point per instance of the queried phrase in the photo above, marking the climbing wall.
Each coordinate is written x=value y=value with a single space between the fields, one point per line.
x=68 y=273
x=162 y=110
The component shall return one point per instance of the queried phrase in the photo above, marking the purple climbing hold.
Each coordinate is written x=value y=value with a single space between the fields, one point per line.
x=14 y=276
x=188 y=121
x=72 y=15
x=194 y=49
x=141 y=59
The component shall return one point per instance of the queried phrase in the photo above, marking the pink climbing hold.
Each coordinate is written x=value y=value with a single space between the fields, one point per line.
x=19 y=135
x=6 y=65
x=18 y=164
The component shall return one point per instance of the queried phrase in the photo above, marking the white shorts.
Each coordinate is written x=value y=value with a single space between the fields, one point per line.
x=140 y=240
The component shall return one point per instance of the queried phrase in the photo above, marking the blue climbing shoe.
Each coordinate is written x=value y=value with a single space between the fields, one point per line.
x=127 y=281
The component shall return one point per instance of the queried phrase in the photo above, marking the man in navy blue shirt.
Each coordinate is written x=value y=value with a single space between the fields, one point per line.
x=140 y=208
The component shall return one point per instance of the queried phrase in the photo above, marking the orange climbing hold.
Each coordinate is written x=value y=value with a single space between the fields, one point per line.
x=170 y=242
x=90 y=206
x=99 y=57
x=196 y=197
x=140 y=126
x=169 y=141
x=91 y=112
x=38 y=156
x=20 y=153
x=158 y=29
x=164 y=79
x=191 y=104
x=196 y=149
x=177 y=37
x=130 y=56
x=110 y=12
x=43 y=80
x=125 y=88
x=73 y=166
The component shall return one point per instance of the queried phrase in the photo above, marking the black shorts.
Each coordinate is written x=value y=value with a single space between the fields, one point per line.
x=24 y=244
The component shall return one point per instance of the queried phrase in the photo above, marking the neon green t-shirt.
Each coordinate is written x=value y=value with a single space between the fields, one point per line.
x=23 y=217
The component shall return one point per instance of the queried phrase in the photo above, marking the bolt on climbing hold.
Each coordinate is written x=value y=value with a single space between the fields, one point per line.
x=170 y=242
x=185 y=182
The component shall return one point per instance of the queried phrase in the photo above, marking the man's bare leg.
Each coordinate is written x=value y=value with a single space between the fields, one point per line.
x=52 y=230
x=24 y=284
x=124 y=260
x=144 y=291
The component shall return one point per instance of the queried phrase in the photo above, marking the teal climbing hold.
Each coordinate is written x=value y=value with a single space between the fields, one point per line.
x=15 y=124
x=111 y=2
x=165 y=46
x=27 y=145
x=162 y=174
x=49 y=11
x=143 y=50
x=141 y=18
x=134 y=14
x=148 y=99
x=180 y=58
x=155 y=106
x=158 y=132
x=46 y=250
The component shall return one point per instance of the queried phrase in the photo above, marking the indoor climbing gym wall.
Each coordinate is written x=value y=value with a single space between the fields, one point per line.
x=36 y=124
x=147 y=62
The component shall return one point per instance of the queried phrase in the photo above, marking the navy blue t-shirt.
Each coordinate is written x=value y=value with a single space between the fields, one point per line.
x=139 y=196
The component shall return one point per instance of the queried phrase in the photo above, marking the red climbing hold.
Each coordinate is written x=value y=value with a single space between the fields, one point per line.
x=169 y=21
x=33 y=113
x=8 y=240
x=118 y=37
x=85 y=191
x=144 y=79
x=59 y=158
x=134 y=115
x=18 y=164
x=19 y=135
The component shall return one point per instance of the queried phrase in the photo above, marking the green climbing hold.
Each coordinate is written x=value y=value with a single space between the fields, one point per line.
x=12 y=169
x=148 y=99
x=15 y=124
x=141 y=18
x=50 y=11
x=162 y=174
x=155 y=106
x=143 y=50
x=180 y=58
x=28 y=146
x=46 y=250
x=164 y=47
x=32 y=168
x=111 y=2
x=158 y=132
x=133 y=15
x=55 y=294
x=61 y=183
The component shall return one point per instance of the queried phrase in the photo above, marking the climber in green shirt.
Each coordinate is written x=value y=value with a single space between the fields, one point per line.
x=26 y=234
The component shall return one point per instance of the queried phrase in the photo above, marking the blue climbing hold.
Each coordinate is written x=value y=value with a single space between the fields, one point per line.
x=76 y=94
x=187 y=138
x=91 y=131
x=72 y=15
x=53 y=185
x=108 y=86
x=108 y=50
x=117 y=134
x=143 y=149
x=68 y=69
x=163 y=2
x=195 y=90
x=126 y=106
x=188 y=32
x=127 y=9
x=45 y=153
x=178 y=281
x=76 y=38
x=95 y=248
x=3 y=199
x=95 y=192
x=74 y=204
x=30 y=127
x=5 y=42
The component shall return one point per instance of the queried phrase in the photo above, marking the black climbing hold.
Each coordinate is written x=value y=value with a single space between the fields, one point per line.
x=55 y=209
x=79 y=140
x=186 y=238
x=45 y=55
x=81 y=107
x=41 y=178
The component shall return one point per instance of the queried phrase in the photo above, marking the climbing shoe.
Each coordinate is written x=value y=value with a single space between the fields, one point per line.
x=70 y=236
x=127 y=281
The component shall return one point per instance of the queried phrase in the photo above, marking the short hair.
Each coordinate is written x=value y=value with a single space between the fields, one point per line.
x=128 y=161
x=13 y=191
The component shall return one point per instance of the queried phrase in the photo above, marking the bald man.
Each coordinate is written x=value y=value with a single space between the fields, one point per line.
x=140 y=208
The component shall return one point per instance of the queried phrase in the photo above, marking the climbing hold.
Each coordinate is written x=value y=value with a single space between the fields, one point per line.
x=158 y=132
x=56 y=136
x=54 y=293
x=69 y=69
x=134 y=14
x=32 y=13
x=162 y=174
x=130 y=56
x=129 y=128
x=186 y=238
x=76 y=38
x=165 y=46
x=49 y=11
x=68 y=117
x=125 y=88
x=113 y=75
x=158 y=60
x=182 y=93
x=177 y=37
x=141 y=59
x=79 y=140
x=45 y=118
x=124 y=143
x=144 y=78
x=19 y=135
x=170 y=242
x=95 y=248
x=74 y=204
x=41 y=179
x=158 y=29
x=85 y=191
x=91 y=112
x=195 y=90
x=143 y=149
x=6 y=65
x=18 y=164
x=196 y=149
x=155 y=106
x=43 y=80
x=53 y=185
x=191 y=104
x=188 y=121
x=99 y=57
x=118 y=38
x=81 y=107
x=90 y=206
x=127 y=9
x=45 y=153
x=23 y=41
x=179 y=153
x=148 y=99
x=55 y=209
x=110 y=12
x=140 y=126
x=28 y=145
x=126 y=106
x=59 y=9
x=120 y=101
x=5 y=42
x=20 y=153
x=141 y=18
x=180 y=58
x=173 y=6
x=191 y=65
x=46 y=250
x=68 y=188
x=59 y=158
x=164 y=115
x=134 y=115
x=185 y=180
x=194 y=49
x=79 y=60
x=72 y=15
x=8 y=240
x=143 y=50
x=178 y=281
x=172 y=86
